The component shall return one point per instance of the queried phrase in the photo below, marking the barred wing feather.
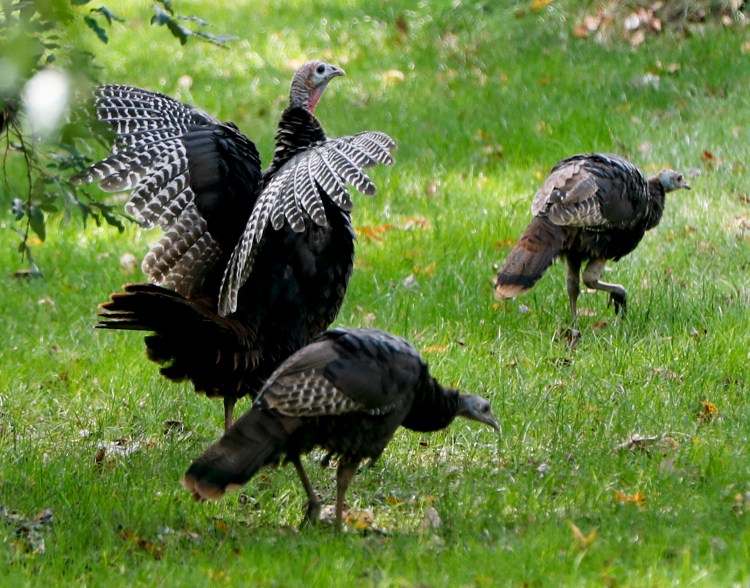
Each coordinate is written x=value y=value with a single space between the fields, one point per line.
x=297 y=190
x=158 y=141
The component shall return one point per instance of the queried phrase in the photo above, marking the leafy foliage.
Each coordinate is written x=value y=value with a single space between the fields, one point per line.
x=36 y=36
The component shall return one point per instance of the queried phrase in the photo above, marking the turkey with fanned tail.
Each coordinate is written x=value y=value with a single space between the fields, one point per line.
x=251 y=265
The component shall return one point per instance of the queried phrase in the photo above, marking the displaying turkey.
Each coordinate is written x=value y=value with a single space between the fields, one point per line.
x=347 y=392
x=228 y=298
x=592 y=208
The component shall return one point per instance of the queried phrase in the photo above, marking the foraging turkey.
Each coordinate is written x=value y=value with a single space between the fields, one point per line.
x=228 y=298
x=592 y=208
x=347 y=392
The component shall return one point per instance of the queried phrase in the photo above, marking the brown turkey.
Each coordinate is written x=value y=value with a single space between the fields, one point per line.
x=347 y=392
x=592 y=208
x=228 y=298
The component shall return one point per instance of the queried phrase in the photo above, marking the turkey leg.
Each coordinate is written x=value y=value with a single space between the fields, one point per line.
x=344 y=476
x=617 y=294
x=574 y=287
x=229 y=403
x=312 y=514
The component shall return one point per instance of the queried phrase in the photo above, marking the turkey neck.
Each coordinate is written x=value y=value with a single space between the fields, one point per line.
x=298 y=130
x=434 y=407
x=655 y=206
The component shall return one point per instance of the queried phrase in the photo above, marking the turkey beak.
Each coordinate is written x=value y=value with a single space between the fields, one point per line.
x=488 y=419
x=686 y=186
x=493 y=423
x=336 y=72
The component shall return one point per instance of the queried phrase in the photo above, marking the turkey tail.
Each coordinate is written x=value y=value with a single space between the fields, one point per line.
x=190 y=340
x=256 y=440
x=535 y=251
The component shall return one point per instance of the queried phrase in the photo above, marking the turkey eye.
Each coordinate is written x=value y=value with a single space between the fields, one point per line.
x=321 y=69
x=679 y=179
x=485 y=408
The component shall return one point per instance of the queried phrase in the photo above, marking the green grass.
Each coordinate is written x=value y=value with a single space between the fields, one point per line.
x=488 y=103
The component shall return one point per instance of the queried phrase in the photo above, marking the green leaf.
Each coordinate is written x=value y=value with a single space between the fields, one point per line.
x=94 y=26
x=195 y=19
x=167 y=4
x=179 y=31
x=108 y=14
x=219 y=40
x=36 y=222
x=160 y=16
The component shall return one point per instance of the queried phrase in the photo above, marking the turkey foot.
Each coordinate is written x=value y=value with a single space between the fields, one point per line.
x=312 y=513
x=619 y=301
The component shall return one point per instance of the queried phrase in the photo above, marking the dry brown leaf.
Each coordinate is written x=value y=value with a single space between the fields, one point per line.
x=436 y=348
x=537 y=5
x=637 y=38
x=638 y=498
x=361 y=520
x=504 y=243
x=582 y=541
x=431 y=188
x=415 y=221
x=707 y=412
x=392 y=76
x=580 y=31
x=402 y=26
x=427 y=270
x=373 y=234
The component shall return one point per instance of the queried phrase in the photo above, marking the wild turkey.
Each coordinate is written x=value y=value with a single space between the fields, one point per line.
x=228 y=299
x=347 y=392
x=593 y=207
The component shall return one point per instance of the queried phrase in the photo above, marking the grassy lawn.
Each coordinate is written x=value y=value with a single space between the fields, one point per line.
x=482 y=101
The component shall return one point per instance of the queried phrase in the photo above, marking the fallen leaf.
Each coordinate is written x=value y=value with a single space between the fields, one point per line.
x=707 y=412
x=537 y=5
x=402 y=26
x=638 y=498
x=436 y=348
x=504 y=243
x=427 y=270
x=582 y=541
x=392 y=76
x=412 y=222
x=431 y=188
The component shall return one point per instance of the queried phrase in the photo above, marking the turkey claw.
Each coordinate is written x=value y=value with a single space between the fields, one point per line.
x=619 y=300
x=312 y=514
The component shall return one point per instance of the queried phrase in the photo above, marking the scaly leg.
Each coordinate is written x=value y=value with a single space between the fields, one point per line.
x=617 y=294
x=229 y=402
x=574 y=287
x=312 y=514
x=344 y=476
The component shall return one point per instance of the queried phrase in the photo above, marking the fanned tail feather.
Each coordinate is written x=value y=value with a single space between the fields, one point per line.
x=189 y=339
x=535 y=251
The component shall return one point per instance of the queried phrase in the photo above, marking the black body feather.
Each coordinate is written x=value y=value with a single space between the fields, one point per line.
x=347 y=392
